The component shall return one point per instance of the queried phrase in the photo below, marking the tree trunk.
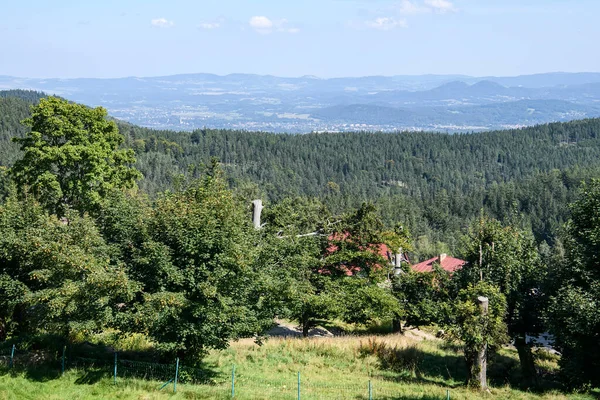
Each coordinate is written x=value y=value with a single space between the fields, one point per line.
x=3 y=330
x=482 y=352
x=396 y=325
x=482 y=368
x=20 y=320
x=476 y=361
x=305 y=328
x=471 y=363
x=526 y=359
x=306 y=324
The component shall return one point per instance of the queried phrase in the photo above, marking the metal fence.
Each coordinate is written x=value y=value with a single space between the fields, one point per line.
x=174 y=374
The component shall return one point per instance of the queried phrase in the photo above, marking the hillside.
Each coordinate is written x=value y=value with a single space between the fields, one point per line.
x=465 y=118
x=305 y=104
x=435 y=183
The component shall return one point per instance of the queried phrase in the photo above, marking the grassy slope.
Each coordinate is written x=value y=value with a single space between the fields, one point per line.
x=331 y=368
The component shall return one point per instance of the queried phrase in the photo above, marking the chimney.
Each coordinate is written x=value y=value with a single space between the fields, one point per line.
x=399 y=258
x=398 y=262
x=442 y=258
x=257 y=209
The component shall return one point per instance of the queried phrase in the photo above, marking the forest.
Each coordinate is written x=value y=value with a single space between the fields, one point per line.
x=106 y=225
x=434 y=184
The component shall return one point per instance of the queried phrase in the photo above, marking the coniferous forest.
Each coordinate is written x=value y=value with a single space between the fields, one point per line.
x=106 y=225
x=435 y=184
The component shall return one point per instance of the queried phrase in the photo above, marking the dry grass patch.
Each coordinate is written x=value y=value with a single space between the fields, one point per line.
x=413 y=368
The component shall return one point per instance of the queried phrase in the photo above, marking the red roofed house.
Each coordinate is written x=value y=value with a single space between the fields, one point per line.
x=380 y=249
x=449 y=264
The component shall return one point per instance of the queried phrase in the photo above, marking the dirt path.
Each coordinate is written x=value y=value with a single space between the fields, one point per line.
x=288 y=329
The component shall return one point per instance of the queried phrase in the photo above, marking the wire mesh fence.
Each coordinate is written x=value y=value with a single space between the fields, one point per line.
x=239 y=386
x=7 y=355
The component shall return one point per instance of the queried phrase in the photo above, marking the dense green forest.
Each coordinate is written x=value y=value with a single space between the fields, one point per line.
x=435 y=184
x=188 y=264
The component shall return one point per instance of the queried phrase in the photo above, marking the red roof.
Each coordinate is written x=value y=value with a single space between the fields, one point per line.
x=449 y=264
x=380 y=248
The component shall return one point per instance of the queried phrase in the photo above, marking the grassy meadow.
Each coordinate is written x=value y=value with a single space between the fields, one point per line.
x=398 y=366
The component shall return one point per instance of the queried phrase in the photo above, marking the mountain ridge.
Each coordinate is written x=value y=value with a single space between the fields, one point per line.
x=298 y=105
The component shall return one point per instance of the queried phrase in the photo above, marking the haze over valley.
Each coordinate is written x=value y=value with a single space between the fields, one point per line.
x=449 y=103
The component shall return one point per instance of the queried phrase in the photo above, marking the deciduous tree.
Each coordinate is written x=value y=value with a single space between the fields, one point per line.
x=72 y=156
x=480 y=331
x=507 y=258
x=574 y=312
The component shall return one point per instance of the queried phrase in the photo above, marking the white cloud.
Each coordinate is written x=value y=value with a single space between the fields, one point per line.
x=386 y=23
x=261 y=23
x=161 y=23
x=407 y=7
x=265 y=26
x=441 y=6
x=214 y=24
x=396 y=16
x=282 y=25
x=209 y=25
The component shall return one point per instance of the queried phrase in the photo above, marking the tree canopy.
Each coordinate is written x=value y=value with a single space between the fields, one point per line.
x=72 y=156
x=574 y=314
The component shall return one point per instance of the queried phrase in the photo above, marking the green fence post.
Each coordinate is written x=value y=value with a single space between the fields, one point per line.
x=448 y=394
x=176 y=375
x=63 y=361
x=12 y=356
x=233 y=382
x=370 y=391
x=115 y=373
x=298 y=385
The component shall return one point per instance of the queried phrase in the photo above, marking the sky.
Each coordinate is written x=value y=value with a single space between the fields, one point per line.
x=325 y=38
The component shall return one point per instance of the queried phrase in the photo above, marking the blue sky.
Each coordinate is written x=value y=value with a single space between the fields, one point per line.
x=326 y=38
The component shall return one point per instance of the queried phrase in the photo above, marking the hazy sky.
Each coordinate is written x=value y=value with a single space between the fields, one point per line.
x=327 y=38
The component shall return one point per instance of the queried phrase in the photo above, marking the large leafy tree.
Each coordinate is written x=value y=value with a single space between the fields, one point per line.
x=205 y=288
x=423 y=296
x=56 y=277
x=574 y=312
x=507 y=258
x=326 y=267
x=480 y=332
x=293 y=242
x=72 y=156
x=357 y=256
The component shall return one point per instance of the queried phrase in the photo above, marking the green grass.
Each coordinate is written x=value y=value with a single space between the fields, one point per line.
x=331 y=368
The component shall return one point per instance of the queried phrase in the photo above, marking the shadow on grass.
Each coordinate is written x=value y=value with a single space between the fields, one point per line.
x=42 y=373
x=404 y=397
x=411 y=364
x=94 y=362
x=375 y=329
x=449 y=370
x=91 y=377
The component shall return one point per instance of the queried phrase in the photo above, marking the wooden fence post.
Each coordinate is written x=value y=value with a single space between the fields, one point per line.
x=482 y=354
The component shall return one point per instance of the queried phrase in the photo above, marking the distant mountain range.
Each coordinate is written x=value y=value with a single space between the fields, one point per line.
x=427 y=102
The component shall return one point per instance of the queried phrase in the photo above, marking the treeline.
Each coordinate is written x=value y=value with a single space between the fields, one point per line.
x=435 y=184
x=83 y=250
x=442 y=181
